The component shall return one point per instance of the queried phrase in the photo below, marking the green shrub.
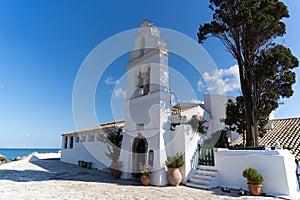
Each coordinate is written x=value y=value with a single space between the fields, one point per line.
x=252 y=176
x=222 y=140
x=175 y=161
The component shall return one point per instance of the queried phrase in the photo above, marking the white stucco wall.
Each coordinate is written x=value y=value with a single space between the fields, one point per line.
x=183 y=140
x=216 y=106
x=88 y=152
x=144 y=110
x=193 y=111
x=276 y=166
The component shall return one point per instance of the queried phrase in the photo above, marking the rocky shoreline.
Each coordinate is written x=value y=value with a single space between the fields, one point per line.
x=3 y=159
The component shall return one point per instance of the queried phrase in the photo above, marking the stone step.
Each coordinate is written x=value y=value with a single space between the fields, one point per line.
x=199 y=182
x=207 y=168
x=206 y=173
x=198 y=186
x=203 y=177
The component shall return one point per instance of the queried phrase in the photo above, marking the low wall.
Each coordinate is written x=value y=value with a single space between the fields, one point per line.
x=276 y=166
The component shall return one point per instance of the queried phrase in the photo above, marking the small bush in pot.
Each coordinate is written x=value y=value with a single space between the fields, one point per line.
x=254 y=181
x=173 y=163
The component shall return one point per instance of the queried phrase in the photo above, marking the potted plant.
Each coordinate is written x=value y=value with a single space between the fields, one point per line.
x=254 y=181
x=173 y=163
x=116 y=169
x=112 y=138
x=146 y=171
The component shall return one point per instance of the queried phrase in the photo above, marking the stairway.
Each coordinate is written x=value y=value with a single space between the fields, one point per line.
x=205 y=177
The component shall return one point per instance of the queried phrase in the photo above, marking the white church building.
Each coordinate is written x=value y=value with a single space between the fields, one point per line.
x=148 y=132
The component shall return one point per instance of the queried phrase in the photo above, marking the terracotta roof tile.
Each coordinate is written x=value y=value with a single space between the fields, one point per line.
x=102 y=126
x=176 y=111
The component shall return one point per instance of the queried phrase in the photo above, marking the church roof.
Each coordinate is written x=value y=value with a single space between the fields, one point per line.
x=102 y=126
x=186 y=105
x=183 y=106
x=286 y=131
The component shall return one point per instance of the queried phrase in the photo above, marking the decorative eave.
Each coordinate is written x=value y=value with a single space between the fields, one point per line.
x=147 y=55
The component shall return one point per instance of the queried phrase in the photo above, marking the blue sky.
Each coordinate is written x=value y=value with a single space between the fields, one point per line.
x=43 y=43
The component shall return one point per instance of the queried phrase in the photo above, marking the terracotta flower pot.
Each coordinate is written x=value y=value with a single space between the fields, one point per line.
x=255 y=190
x=174 y=176
x=145 y=179
x=117 y=173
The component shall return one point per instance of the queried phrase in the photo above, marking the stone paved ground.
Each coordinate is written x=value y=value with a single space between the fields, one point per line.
x=52 y=179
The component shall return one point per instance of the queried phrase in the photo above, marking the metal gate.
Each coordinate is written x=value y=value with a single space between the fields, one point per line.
x=206 y=155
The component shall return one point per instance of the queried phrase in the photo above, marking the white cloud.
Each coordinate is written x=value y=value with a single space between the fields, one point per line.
x=119 y=93
x=201 y=86
x=196 y=101
x=221 y=81
x=111 y=81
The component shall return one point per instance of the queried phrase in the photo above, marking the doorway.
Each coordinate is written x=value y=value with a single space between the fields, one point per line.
x=139 y=155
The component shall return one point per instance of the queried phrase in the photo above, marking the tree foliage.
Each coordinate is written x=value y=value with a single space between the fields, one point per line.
x=197 y=124
x=222 y=141
x=248 y=29
x=235 y=118
x=112 y=138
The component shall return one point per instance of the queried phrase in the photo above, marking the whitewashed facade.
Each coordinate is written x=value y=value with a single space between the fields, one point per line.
x=85 y=145
x=149 y=138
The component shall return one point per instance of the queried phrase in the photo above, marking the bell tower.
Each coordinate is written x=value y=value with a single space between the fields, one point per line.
x=148 y=98
x=148 y=105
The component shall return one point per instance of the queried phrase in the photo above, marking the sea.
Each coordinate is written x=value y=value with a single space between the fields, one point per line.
x=11 y=154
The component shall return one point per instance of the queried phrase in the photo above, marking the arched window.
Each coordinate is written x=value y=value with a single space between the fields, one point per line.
x=142 y=46
x=71 y=142
x=151 y=157
x=147 y=79
x=66 y=142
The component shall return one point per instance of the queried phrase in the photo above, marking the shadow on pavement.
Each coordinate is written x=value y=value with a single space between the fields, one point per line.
x=54 y=169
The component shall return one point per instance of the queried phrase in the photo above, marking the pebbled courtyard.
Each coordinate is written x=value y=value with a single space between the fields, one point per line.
x=33 y=178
